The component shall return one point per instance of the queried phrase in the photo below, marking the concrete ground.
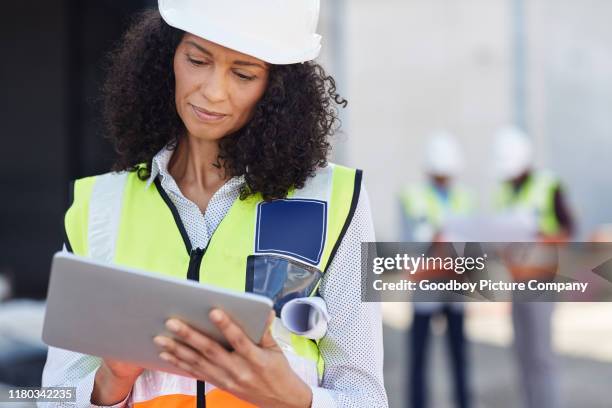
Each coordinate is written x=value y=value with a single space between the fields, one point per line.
x=585 y=383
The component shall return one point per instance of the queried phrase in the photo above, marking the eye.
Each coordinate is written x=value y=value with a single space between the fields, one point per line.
x=196 y=62
x=244 y=77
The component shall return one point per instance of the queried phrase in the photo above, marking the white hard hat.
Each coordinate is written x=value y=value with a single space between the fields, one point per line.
x=512 y=152
x=275 y=31
x=443 y=155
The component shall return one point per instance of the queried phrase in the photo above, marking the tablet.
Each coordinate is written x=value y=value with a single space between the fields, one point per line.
x=114 y=312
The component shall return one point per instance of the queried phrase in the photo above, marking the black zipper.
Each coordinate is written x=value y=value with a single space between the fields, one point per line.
x=195 y=254
x=193 y=273
x=195 y=260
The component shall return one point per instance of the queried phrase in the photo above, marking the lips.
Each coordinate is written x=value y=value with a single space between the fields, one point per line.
x=207 y=116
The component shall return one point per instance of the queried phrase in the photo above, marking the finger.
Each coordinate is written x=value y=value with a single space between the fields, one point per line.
x=175 y=361
x=267 y=341
x=180 y=351
x=207 y=347
x=192 y=370
x=188 y=360
x=235 y=336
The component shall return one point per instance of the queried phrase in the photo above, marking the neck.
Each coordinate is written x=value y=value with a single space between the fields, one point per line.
x=440 y=182
x=195 y=163
x=519 y=181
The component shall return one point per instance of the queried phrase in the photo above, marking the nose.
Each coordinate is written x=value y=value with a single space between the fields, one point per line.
x=214 y=87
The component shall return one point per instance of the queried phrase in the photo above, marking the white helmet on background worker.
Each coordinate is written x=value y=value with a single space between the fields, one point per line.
x=277 y=32
x=443 y=155
x=512 y=153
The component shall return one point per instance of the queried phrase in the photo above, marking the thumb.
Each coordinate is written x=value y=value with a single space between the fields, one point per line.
x=267 y=341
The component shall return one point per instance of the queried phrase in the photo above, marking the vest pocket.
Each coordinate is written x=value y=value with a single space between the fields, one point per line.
x=280 y=279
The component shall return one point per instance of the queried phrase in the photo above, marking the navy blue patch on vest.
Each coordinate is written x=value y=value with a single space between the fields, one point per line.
x=293 y=227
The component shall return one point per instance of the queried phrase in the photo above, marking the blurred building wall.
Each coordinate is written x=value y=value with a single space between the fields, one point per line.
x=570 y=100
x=414 y=66
x=33 y=124
x=53 y=53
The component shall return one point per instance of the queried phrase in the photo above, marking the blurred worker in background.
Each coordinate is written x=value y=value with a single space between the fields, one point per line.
x=425 y=209
x=539 y=196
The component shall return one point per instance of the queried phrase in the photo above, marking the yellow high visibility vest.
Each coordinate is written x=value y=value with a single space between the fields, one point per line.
x=536 y=196
x=117 y=218
x=424 y=203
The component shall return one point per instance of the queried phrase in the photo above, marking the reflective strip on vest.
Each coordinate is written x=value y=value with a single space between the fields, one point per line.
x=76 y=221
x=116 y=218
x=160 y=390
x=104 y=218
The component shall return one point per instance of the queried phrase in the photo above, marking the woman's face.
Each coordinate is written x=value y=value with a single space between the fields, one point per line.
x=216 y=88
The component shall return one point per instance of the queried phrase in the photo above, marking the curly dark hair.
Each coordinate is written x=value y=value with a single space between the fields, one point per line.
x=282 y=145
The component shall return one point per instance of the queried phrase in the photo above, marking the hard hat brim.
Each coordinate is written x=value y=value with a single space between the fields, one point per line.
x=245 y=44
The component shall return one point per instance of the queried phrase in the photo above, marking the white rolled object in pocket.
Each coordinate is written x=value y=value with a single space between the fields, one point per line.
x=306 y=316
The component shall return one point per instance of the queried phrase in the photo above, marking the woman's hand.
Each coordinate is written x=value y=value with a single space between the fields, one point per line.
x=114 y=381
x=257 y=373
x=119 y=369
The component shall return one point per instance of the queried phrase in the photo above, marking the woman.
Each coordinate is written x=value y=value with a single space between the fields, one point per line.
x=221 y=125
